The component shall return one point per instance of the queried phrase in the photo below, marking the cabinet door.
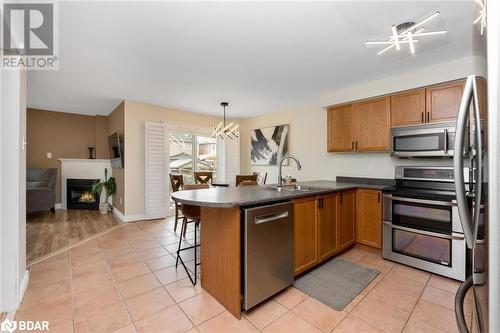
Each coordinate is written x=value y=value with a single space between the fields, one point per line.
x=340 y=134
x=369 y=217
x=327 y=226
x=373 y=123
x=346 y=219
x=408 y=108
x=443 y=101
x=305 y=234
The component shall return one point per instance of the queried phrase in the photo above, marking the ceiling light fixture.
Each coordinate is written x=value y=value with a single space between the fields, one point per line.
x=223 y=130
x=405 y=33
x=482 y=15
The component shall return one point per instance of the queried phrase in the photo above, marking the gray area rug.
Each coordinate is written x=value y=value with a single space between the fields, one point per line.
x=336 y=282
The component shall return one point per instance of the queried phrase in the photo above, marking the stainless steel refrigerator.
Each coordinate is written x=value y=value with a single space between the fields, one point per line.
x=472 y=205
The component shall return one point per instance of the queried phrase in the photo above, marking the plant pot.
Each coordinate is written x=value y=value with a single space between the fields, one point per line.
x=104 y=207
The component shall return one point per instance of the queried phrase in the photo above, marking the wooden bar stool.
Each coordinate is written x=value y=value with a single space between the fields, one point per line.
x=261 y=177
x=243 y=178
x=177 y=182
x=190 y=214
x=202 y=177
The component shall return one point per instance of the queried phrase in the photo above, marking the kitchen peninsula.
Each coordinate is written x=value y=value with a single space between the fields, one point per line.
x=329 y=218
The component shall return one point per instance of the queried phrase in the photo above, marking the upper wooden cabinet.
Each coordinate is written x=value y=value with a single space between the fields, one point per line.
x=443 y=101
x=340 y=128
x=346 y=218
x=408 y=108
x=373 y=122
x=360 y=126
x=369 y=217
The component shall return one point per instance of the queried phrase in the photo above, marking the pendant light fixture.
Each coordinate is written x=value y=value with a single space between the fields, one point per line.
x=481 y=19
x=222 y=130
x=405 y=34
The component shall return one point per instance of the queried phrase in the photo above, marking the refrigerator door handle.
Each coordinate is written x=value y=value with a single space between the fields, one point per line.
x=458 y=162
x=459 y=304
x=478 y=145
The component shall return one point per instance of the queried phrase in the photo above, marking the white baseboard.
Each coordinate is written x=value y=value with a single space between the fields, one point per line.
x=58 y=206
x=24 y=285
x=127 y=218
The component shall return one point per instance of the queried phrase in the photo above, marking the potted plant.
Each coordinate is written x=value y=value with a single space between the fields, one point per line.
x=108 y=186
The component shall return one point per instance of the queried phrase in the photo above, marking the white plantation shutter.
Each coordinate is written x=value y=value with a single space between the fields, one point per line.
x=155 y=170
x=230 y=161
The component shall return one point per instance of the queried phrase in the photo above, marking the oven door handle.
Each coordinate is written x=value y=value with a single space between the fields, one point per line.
x=422 y=201
x=454 y=236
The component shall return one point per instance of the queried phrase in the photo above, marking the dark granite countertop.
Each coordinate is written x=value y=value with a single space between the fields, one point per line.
x=224 y=197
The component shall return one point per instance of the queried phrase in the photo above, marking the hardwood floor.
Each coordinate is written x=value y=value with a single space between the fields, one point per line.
x=48 y=232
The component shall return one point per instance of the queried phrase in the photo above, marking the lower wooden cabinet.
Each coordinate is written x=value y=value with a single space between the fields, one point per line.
x=327 y=226
x=369 y=217
x=346 y=217
x=305 y=233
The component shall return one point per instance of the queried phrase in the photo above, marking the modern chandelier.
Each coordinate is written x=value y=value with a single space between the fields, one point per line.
x=223 y=130
x=481 y=19
x=405 y=33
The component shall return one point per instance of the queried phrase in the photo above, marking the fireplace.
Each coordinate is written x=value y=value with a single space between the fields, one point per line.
x=79 y=194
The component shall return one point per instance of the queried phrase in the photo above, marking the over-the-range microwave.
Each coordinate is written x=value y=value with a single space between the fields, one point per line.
x=426 y=140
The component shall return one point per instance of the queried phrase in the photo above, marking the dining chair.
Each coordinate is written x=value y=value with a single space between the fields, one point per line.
x=177 y=182
x=261 y=177
x=248 y=183
x=242 y=178
x=203 y=177
x=190 y=214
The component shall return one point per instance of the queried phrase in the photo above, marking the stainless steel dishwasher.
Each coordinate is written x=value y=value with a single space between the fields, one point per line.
x=268 y=253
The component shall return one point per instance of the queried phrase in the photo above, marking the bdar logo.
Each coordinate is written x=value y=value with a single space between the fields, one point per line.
x=8 y=326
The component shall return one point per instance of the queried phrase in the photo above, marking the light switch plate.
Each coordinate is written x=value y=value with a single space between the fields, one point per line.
x=49 y=155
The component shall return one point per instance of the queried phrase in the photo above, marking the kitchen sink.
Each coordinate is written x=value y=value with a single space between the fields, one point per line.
x=295 y=188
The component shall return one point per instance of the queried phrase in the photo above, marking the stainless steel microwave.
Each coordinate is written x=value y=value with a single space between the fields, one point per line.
x=428 y=140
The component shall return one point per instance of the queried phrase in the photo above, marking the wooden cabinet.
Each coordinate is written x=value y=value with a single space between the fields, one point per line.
x=340 y=128
x=360 y=126
x=305 y=233
x=373 y=122
x=443 y=101
x=346 y=219
x=369 y=217
x=408 y=108
x=327 y=226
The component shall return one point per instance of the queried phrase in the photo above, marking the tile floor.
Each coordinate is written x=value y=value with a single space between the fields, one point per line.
x=126 y=281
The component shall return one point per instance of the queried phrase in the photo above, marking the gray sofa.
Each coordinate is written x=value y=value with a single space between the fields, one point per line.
x=40 y=190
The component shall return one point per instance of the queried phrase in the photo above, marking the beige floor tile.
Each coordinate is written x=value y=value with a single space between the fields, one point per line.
x=412 y=273
x=102 y=319
x=417 y=326
x=290 y=297
x=193 y=330
x=183 y=289
x=320 y=315
x=131 y=271
x=227 y=323
x=51 y=292
x=169 y=320
x=117 y=252
x=354 y=254
x=443 y=283
x=352 y=304
x=98 y=297
x=50 y=272
x=436 y=316
x=78 y=260
x=153 y=253
x=290 y=322
x=172 y=248
x=127 y=329
x=161 y=262
x=146 y=245
x=170 y=274
x=106 y=243
x=351 y=324
x=138 y=238
x=55 y=312
x=439 y=297
x=380 y=315
x=402 y=284
x=386 y=294
x=201 y=308
x=265 y=313
x=148 y=303
x=91 y=276
x=171 y=239
x=376 y=262
x=125 y=260
x=138 y=285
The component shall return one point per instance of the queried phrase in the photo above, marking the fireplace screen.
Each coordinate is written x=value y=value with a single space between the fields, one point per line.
x=79 y=194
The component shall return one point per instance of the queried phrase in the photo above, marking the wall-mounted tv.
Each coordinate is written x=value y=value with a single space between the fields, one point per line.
x=115 y=151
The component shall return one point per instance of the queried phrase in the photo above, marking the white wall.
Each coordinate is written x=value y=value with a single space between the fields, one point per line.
x=13 y=274
x=308 y=126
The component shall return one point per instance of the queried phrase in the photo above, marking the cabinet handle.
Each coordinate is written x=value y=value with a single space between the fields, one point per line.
x=356 y=145
x=378 y=198
x=428 y=116
x=340 y=198
x=352 y=145
x=422 y=117
x=320 y=202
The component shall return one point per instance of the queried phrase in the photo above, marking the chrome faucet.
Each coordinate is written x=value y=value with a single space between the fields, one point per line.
x=280 y=178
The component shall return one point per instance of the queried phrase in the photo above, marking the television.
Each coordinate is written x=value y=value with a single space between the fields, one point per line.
x=115 y=151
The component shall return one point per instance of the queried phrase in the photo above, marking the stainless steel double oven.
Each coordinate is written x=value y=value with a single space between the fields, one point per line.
x=421 y=226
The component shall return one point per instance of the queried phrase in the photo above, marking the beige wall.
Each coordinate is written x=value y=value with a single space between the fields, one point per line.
x=65 y=135
x=308 y=127
x=136 y=114
x=116 y=123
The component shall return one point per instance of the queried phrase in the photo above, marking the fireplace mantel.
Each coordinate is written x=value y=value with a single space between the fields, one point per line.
x=81 y=169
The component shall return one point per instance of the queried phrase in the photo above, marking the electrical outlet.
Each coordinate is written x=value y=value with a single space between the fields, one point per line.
x=49 y=155
x=121 y=200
